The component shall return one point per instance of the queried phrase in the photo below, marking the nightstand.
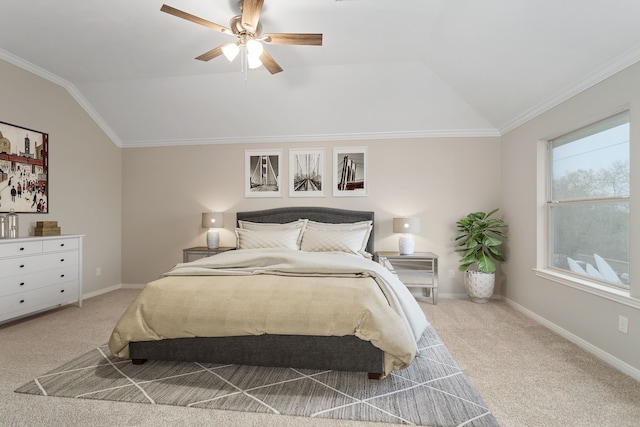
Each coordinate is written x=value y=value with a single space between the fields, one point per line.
x=418 y=270
x=192 y=254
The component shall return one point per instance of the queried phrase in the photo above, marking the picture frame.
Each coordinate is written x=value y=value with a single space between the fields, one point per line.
x=24 y=169
x=306 y=172
x=263 y=173
x=349 y=171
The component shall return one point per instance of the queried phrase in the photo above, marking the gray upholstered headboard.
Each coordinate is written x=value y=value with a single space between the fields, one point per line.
x=319 y=214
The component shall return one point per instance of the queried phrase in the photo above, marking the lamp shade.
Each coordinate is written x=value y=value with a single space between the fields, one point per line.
x=230 y=51
x=212 y=220
x=410 y=225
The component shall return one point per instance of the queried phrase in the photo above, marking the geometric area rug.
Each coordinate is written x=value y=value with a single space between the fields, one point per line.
x=432 y=391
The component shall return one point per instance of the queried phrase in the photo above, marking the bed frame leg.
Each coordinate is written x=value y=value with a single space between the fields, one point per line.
x=374 y=375
x=138 y=361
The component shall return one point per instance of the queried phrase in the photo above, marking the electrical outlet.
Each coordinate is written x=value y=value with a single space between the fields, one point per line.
x=452 y=274
x=98 y=271
x=623 y=324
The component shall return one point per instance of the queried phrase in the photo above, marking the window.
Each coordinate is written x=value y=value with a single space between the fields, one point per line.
x=588 y=202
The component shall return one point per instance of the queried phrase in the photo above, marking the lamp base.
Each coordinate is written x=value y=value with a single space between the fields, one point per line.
x=213 y=239
x=406 y=244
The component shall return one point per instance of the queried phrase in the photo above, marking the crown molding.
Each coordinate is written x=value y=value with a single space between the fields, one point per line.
x=70 y=87
x=459 y=133
x=619 y=63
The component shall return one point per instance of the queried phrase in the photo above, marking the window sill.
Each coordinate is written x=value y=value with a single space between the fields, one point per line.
x=618 y=295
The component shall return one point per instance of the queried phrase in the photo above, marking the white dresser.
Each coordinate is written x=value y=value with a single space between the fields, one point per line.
x=38 y=273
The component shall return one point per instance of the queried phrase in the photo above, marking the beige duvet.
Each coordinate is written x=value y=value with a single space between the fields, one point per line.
x=253 y=292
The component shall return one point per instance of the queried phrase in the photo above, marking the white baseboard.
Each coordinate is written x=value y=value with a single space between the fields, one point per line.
x=452 y=296
x=598 y=352
x=131 y=286
x=111 y=289
x=101 y=292
x=465 y=296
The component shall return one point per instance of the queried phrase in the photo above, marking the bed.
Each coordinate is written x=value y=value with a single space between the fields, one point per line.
x=292 y=306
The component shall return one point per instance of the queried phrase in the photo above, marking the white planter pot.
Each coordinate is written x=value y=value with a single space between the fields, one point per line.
x=479 y=285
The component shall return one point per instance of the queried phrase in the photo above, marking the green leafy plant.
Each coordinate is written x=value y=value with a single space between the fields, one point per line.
x=479 y=241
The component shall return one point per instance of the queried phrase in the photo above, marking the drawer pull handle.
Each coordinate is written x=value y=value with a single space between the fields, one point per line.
x=21 y=265
x=22 y=284
x=21 y=301
x=62 y=260
x=61 y=244
x=62 y=275
x=62 y=291
x=22 y=249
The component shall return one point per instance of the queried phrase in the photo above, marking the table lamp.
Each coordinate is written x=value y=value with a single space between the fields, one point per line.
x=408 y=226
x=211 y=221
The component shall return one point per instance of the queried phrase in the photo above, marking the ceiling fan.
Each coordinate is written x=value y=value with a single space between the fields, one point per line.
x=248 y=30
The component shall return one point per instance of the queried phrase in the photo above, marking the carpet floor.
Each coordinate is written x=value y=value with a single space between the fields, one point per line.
x=433 y=391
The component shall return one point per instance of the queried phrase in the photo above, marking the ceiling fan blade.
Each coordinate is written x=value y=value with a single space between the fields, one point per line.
x=251 y=14
x=184 y=15
x=207 y=56
x=292 y=38
x=269 y=63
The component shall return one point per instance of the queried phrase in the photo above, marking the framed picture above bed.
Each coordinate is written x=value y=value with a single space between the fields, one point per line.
x=24 y=170
x=306 y=173
x=262 y=173
x=349 y=171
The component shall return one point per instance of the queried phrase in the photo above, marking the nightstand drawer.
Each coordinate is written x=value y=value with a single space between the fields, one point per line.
x=411 y=266
x=198 y=252
x=421 y=278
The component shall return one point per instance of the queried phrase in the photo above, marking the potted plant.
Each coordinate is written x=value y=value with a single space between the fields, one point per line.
x=478 y=243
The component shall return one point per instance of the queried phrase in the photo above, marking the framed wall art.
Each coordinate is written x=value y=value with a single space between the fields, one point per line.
x=306 y=173
x=349 y=171
x=24 y=170
x=262 y=173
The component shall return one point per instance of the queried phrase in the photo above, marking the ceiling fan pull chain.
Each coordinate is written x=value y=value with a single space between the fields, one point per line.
x=245 y=65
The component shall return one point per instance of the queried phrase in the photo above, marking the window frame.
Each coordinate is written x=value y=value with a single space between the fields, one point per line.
x=545 y=258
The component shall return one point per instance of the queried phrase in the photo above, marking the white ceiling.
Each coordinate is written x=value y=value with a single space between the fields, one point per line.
x=387 y=68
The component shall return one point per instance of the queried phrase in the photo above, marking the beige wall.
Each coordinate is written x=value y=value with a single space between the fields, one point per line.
x=588 y=317
x=85 y=170
x=166 y=189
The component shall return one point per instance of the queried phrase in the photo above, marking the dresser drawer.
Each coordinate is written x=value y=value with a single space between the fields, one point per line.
x=62 y=244
x=26 y=302
x=27 y=282
x=34 y=263
x=20 y=248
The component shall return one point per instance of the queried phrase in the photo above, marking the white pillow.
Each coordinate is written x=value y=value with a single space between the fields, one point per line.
x=248 y=225
x=350 y=241
x=342 y=226
x=346 y=226
x=249 y=239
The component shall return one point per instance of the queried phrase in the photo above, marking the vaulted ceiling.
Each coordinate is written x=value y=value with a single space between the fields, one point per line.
x=387 y=68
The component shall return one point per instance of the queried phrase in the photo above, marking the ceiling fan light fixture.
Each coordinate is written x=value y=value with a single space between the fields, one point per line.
x=254 y=48
x=230 y=51
x=253 y=61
